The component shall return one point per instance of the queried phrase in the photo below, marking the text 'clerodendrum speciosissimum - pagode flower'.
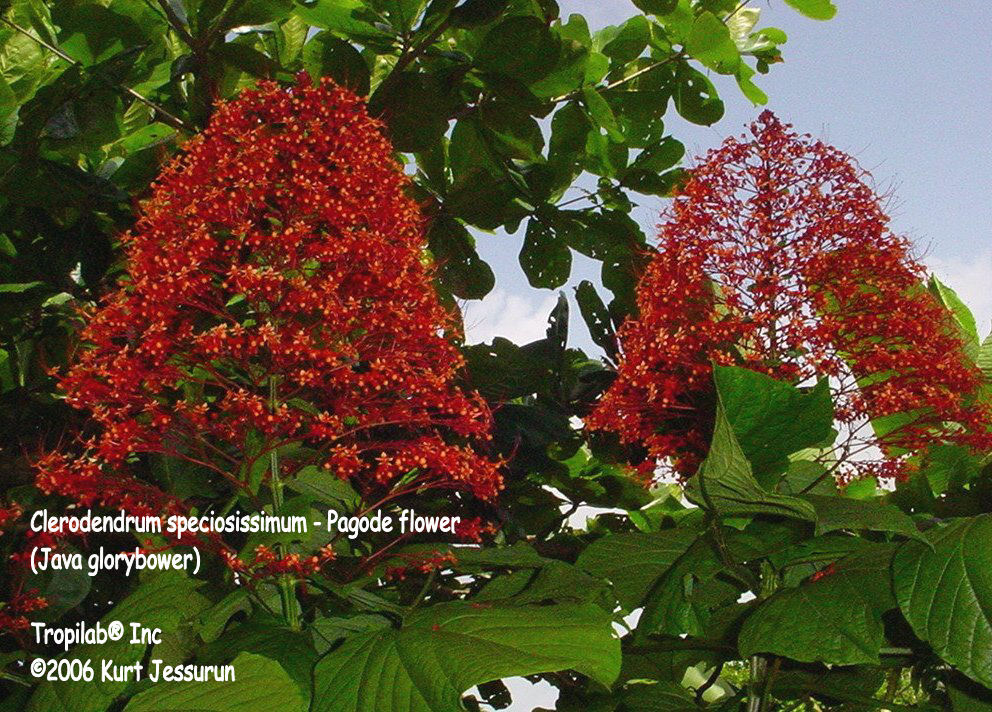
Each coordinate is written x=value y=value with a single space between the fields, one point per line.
x=777 y=256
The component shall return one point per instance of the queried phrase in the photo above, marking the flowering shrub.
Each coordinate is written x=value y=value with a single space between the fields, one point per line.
x=777 y=256
x=277 y=303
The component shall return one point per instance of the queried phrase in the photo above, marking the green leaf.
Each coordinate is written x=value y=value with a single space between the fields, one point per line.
x=773 y=419
x=651 y=183
x=966 y=696
x=601 y=113
x=633 y=562
x=836 y=619
x=807 y=477
x=680 y=601
x=949 y=467
x=20 y=288
x=324 y=486
x=469 y=152
x=259 y=685
x=660 y=156
x=517 y=134
x=7 y=381
x=963 y=318
x=950 y=299
x=342 y=16
x=710 y=42
x=268 y=636
x=725 y=483
x=445 y=649
x=414 y=107
x=545 y=257
x=256 y=12
x=567 y=75
x=696 y=98
x=556 y=582
x=815 y=9
x=630 y=41
x=166 y=601
x=521 y=47
x=945 y=592
x=836 y=513
x=984 y=359
x=596 y=316
x=248 y=59
x=473 y=13
x=656 y=7
x=328 y=56
x=748 y=88
x=460 y=266
x=658 y=696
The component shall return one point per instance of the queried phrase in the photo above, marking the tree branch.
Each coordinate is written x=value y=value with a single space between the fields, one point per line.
x=166 y=116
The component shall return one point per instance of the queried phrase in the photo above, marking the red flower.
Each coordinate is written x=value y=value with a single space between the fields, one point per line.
x=13 y=613
x=278 y=299
x=777 y=256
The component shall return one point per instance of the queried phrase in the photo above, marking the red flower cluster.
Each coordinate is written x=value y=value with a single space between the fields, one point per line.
x=14 y=613
x=268 y=564
x=777 y=257
x=8 y=515
x=277 y=301
x=420 y=564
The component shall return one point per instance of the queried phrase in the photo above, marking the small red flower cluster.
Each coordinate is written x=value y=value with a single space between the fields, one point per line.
x=278 y=300
x=420 y=564
x=8 y=515
x=777 y=257
x=268 y=564
x=14 y=613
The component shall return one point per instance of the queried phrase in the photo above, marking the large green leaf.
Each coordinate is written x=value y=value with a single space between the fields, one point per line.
x=328 y=56
x=461 y=268
x=630 y=40
x=985 y=358
x=945 y=592
x=414 y=107
x=544 y=257
x=710 y=42
x=634 y=561
x=166 y=601
x=773 y=419
x=695 y=97
x=836 y=619
x=963 y=317
x=259 y=685
x=835 y=512
x=725 y=483
x=442 y=651
x=521 y=47
x=601 y=113
x=658 y=696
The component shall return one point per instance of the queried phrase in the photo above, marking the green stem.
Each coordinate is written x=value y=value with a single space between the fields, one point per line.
x=287 y=584
x=759 y=687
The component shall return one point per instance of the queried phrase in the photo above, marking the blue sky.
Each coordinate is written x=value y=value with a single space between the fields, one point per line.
x=902 y=86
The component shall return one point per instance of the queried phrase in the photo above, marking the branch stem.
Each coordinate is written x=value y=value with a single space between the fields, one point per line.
x=164 y=115
x=287 y=584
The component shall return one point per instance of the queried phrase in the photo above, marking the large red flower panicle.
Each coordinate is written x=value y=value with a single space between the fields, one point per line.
x=277 y=300
x=777 y=256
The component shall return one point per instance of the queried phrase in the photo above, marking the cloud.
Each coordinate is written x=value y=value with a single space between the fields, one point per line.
x=972 y=280
x=513 y=316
